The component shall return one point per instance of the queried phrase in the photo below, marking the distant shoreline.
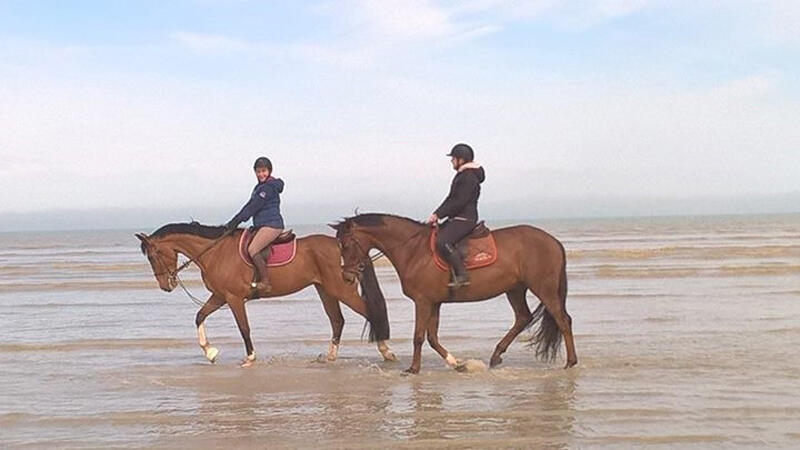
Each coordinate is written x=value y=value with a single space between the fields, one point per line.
x=322 y=227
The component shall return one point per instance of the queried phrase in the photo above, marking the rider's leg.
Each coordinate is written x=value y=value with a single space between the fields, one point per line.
x=264 y=236
x=446 y=240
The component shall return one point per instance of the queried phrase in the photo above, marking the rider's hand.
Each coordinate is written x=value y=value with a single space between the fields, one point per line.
x=433 y=219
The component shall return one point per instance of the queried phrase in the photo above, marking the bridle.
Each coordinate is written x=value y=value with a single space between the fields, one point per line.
x=173 y=279
x=364 y=255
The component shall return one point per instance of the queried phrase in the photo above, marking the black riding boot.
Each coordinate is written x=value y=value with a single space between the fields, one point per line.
x=260 y=261
x=460 y=277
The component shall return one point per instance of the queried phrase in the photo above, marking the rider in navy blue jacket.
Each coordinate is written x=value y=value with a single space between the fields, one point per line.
x=264 y=207
x=461 y=209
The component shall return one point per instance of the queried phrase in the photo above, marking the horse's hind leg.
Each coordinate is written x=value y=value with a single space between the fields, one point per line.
x=334 y=313
x=212 y=304
x=522 y=317
x=433 y=337
x=240 y=314
x=354 y=301
x=555 y=303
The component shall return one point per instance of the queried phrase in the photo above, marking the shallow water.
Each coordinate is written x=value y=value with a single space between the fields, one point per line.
x=686 y=331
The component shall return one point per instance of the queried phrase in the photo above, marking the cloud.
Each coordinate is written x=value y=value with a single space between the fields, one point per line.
x=211 y=43
x=403 y=18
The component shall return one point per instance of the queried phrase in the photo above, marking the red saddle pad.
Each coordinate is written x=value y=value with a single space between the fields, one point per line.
x=279 y=254
x=478 y=252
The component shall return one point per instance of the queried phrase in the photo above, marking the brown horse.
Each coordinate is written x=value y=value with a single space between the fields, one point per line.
x=227 y=277
x=528 y=258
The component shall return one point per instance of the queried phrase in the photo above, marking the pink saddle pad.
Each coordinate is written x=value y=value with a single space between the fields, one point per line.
x=279 y=254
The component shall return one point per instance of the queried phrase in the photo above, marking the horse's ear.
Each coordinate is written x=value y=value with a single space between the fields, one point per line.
x=335 y=226
x=143 y=237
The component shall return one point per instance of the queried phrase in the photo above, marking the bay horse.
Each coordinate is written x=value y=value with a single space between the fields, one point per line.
x=528 y=259
x=317 y=261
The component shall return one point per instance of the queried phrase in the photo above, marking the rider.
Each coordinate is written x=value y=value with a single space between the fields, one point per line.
x=461 y=209
x=264 y=207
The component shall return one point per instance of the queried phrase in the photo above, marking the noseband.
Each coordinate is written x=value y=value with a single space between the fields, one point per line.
x=172 y=276
x=360 y=265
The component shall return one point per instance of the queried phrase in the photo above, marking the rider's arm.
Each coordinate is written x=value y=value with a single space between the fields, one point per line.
x=257 y=201
x=458 y=198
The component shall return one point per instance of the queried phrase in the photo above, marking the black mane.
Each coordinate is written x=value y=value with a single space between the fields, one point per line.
x=193 y=228
x=375 y=219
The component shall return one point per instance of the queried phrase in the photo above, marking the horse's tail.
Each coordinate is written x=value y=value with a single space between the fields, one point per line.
x=372 y=295
x=548 y=337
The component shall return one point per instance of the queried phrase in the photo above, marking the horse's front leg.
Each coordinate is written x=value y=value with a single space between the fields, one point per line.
x=422 y=315
x=212 y=304
x=240 y=314
x=433 y=337
x=334 y=312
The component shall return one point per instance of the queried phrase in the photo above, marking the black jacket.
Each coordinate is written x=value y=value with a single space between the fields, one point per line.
x=462 y=201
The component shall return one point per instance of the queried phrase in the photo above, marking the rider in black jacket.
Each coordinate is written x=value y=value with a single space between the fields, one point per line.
x=461 y=209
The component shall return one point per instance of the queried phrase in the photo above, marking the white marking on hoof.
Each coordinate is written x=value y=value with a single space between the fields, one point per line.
x=386 y=352
x=201 y=335
x=211 y=353
x=251 y=358
x=333 y=351
x=451 y=360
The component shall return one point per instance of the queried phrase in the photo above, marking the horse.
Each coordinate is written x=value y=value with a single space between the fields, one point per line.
x=527 y=259
x=215 y=251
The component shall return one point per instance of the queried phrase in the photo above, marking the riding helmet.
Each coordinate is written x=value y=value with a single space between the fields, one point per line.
x=462 y=151
x=263 y=161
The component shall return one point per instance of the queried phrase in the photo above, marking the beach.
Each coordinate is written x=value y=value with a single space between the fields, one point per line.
x=686 y=330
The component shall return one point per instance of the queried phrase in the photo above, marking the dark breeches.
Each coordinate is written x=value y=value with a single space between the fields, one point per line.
x=452 y=232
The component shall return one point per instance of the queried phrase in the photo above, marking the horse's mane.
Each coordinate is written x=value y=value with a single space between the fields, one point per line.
x=193 y=228
x=375 y=219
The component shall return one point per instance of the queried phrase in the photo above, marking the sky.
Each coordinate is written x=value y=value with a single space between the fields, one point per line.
x=135 y=113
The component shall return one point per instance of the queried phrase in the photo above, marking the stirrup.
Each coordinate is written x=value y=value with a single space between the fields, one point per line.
x=261 y=287
x=458 y=282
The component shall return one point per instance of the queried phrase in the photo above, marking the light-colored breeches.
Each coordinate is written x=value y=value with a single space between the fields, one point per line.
x=263 y=237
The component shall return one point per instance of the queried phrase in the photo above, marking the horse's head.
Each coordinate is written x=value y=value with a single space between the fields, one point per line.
x=163 y=261
x=353 y=247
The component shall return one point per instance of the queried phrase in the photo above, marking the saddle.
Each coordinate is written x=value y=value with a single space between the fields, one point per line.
x=281 y=251
x=477 y=249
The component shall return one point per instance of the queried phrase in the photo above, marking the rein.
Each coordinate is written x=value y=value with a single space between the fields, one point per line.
x=382 y=253
x=210 y=246
x=173 y=276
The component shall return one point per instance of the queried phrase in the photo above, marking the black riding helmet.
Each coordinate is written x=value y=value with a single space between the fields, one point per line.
x=462 y=151
x=263 y=161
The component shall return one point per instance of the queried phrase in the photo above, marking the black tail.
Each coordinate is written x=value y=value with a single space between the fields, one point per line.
x=548 y=337
x=372 y=295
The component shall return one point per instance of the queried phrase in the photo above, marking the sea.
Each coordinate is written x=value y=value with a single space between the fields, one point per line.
x=687 y=331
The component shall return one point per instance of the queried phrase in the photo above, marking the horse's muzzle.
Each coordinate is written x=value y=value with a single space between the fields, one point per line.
x=171 y=284
x=349 y=276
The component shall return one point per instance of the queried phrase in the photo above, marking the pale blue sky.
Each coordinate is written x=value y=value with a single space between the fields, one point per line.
x=164 y=105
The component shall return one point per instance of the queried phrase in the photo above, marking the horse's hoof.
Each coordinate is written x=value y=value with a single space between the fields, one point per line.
x=211 y=354
x=247 y=362
x=570 y=364
x=495 y=361
x=389 y=356
x=411 y=371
